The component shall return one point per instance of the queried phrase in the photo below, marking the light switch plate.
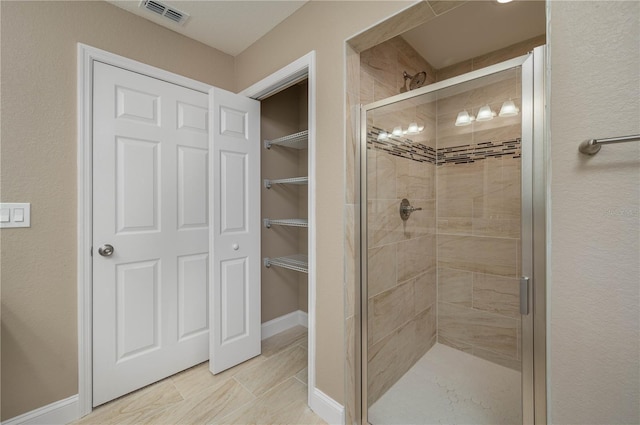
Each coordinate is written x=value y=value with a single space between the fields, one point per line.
x=12 y=207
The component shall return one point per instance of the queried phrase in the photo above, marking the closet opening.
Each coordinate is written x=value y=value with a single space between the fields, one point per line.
x=284 y=235
x=287 y=211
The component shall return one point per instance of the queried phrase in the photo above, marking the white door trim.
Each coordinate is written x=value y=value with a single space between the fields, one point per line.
x=281 y=79
x=86 y=57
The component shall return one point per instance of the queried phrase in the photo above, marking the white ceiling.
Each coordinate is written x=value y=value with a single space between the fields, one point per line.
x=476 y=28
x=229 y=26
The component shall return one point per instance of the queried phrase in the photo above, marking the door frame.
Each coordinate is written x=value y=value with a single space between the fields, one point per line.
x=535 y=196
x=87 y=55
x=304 y=67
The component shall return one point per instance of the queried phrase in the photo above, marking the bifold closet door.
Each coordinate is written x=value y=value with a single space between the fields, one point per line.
x=150 y=230
x=235 y=234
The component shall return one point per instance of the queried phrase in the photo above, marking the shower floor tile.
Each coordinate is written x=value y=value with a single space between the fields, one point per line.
x=448 y=386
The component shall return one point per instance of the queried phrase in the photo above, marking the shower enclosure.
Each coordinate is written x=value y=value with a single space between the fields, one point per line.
x=452 y=319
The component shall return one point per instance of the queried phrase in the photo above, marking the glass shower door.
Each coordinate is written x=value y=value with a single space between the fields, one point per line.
x=442 y=334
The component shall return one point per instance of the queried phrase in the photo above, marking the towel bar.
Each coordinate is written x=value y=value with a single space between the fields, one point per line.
x=593 y=146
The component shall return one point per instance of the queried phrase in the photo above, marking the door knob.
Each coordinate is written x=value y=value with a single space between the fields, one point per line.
x=235 y=246
x=106 y=250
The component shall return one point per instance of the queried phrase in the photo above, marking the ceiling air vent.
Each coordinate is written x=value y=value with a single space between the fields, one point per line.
x=166 y=11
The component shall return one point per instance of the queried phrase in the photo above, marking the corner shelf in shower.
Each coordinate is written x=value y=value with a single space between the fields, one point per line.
x=295 y=141
x=293 y=180
x=292 y=222
x=297 y=262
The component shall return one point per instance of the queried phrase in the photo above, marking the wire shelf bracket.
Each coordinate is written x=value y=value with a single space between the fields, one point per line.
x=297 y=262
x=292 y=222
x=294 y=180
x=295 y=141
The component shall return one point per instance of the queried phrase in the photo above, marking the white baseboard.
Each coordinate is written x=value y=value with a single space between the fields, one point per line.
x=57 y=413
x=327 y=408
x=282 y=323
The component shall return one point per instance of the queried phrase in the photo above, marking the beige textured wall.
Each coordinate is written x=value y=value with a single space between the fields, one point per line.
x=323 y=27
x=280 y=116
x=39 y=343
x=594 y=289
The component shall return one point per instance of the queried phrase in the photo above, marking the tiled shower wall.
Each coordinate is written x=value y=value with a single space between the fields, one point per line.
x=375 y=74
x=402 y=254
x=468 y=260
x=382 y=67
x=478 y=225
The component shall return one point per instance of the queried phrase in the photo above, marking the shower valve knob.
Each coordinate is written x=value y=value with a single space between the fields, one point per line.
x=412 y=209
x=406 y=209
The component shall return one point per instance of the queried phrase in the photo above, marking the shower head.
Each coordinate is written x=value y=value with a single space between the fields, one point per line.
x=416 y=80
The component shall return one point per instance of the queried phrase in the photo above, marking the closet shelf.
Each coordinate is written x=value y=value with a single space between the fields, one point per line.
x=293 y=222
x=298 y=262
x=295 y=141
x=294 y=180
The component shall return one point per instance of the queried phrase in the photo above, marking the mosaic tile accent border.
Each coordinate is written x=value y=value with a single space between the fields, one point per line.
x=402 y=147
x=464 y=154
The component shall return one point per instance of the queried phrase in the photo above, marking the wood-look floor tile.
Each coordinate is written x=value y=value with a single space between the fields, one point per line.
x=199 y=378
x=137 y=407
x=283 y=404
x=303 y=376
x=196 y=396
x=261 y=378
x=206 y=406
x=304 y=342
x=277 y=343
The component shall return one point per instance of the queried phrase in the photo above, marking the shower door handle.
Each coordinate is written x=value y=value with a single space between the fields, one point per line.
x=524 y=295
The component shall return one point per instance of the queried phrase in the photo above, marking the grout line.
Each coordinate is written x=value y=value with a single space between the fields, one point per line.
x=301 y=344
x=299 y=380
x=218 y=420
x=215 y=386
x=243 y=386
x=403 y=324
x=491 y=313
x=279 y=353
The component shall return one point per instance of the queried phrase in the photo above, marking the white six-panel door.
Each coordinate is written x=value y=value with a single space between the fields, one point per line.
x=151 y=203
x=235 y=235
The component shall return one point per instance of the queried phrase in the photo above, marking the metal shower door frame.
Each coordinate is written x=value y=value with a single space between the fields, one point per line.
x=533 y=228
